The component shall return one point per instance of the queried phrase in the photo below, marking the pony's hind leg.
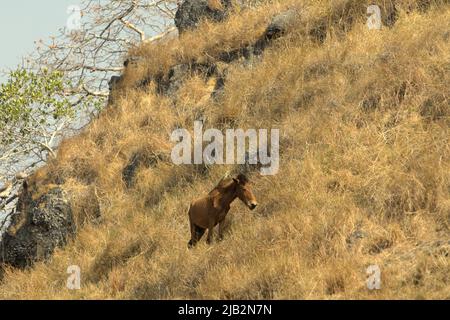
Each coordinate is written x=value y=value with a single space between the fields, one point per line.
x=196 y=235
x=192 y=242
x=199 y=232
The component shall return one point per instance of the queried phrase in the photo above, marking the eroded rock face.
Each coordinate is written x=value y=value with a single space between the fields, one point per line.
x=191 y=12
x=37 y=229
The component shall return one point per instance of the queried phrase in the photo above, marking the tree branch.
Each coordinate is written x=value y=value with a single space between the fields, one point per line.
x=95 y=93
x=95 y=68
x=134 y=28
x=161 y=35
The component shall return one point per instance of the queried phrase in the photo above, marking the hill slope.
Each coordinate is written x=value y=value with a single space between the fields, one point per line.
x=364 y=171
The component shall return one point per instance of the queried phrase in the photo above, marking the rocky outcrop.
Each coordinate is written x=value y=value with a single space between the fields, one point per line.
x=191 y=12
x=170 y=83
x=188 y=16
x=139 y=159
x=37 y=228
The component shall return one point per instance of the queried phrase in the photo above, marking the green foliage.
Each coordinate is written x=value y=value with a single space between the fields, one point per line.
x=36 y=109
x=29 y=99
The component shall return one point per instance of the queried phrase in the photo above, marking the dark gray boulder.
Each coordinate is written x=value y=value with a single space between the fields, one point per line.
x=114 y=81
x=38 y=227
x=114 y=84
x=279 y=26
x=191 y=12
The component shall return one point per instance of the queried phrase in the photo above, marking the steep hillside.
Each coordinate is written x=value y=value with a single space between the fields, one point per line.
x=364 y=176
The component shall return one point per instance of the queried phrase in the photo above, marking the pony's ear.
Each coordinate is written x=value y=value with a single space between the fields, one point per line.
x=242 y=179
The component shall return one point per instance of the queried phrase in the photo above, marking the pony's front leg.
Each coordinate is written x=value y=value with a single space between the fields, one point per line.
x=222 y=223
x=221 y=229
x=209 y=239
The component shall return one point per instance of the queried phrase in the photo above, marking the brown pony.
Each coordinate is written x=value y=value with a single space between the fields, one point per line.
x=208 y=211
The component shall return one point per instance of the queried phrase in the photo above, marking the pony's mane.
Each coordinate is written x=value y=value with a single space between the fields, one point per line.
x=222 y=185
x=226 y=182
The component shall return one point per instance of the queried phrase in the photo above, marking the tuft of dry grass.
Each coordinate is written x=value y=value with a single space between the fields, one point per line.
x=364 y=175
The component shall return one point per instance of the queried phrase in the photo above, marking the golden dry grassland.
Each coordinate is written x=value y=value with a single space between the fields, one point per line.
x=364 y=174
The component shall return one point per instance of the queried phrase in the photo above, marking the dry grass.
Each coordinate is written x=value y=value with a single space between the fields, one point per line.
x=364 y=121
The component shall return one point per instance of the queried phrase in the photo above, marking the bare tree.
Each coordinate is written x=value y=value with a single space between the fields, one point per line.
x=84 y=56
x=98 y=35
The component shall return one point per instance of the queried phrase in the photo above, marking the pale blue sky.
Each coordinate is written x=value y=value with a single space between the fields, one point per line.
x=24 y=21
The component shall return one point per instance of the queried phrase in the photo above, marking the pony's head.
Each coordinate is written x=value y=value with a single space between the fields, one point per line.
x=244 y=192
